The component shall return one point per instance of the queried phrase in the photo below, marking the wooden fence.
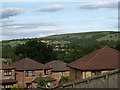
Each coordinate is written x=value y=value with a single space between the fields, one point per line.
x=104 y=80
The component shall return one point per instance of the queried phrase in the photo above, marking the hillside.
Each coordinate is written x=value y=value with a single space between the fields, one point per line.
x=82 y=38
x=88 y=35
x=65 y=42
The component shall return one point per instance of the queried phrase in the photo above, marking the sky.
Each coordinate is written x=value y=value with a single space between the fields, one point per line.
x=41 y=19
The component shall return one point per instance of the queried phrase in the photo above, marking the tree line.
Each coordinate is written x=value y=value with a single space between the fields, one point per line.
x=44 y=53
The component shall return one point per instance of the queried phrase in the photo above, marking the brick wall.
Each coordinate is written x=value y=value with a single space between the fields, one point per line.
x=75 y=73
x=57 y=76
x=23 y=79
x=78 y=74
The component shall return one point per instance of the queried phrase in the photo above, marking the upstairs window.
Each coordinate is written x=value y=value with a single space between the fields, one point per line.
x=46 y=72
x=7 y=72
x=29 y=73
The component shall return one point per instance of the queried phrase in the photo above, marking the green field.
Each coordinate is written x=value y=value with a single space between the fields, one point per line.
x=73 y=38
x=110 y=37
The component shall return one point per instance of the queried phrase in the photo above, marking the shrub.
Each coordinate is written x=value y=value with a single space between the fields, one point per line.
x=41 y=81
x=14 y=87
x=64 y=79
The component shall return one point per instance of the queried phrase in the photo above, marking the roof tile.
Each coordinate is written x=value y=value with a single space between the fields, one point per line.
x=104 y=58
x=28 y=64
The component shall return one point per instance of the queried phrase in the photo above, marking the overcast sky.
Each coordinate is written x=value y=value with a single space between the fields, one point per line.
x=40 y=19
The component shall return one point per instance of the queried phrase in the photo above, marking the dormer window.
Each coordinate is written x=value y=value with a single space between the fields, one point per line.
x=7 y=72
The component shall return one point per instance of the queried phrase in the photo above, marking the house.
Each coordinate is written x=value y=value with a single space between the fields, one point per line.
x=99 y=61
x=27 y=70
x=59 y=69
x=49 y=81
x=6 y=60
x=7 y=76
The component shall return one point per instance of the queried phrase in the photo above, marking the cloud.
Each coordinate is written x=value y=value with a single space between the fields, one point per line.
x=50 y=8
x=12 y=29
x=9 y=12
x=98 y=5
x=17 y=34
x=47 y=30
x=9 y=24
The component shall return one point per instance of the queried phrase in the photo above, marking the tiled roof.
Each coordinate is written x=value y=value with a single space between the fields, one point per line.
x=57 y=66
x=104 y=58
x=47 y=79
x=28 y=64
x=5 y=81
x=5 y=66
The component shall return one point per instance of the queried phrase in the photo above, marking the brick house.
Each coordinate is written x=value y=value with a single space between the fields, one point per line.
x=27 y=70
x=7 y=76
x=49 y=80
x=59 y=69
x=99 y=61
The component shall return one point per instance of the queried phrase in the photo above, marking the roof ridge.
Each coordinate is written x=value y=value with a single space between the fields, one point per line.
x=97 y=53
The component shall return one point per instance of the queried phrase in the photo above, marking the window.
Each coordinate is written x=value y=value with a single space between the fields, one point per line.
x=46 y=72
x=29 y=73
x=93 y=73
x=96 y=73
x=7 y=72
x=63 y=73
x=7 y=86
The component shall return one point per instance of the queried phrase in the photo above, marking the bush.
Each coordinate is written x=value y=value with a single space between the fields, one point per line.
x=14 y=87
x=3 y=88
x=64 y=79
x=41 y=81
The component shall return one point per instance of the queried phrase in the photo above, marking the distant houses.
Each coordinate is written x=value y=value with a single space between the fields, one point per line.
x=97 y=62
x=58 y=70
x=6 y=60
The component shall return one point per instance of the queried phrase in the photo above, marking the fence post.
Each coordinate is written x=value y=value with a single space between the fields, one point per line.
x=73 y=85
x=106 y=80
x=88 y=82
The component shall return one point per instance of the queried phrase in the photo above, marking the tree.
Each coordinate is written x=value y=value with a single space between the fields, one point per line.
x=36 y=50
x=79 y=51
x=14 y=87
x=41 y=81
x=117 y=47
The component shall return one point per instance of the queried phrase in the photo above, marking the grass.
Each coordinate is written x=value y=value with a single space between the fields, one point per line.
x=109 y=37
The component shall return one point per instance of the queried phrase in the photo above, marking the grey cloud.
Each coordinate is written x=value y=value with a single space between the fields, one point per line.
x=9 y=24
x=12 y=29
x=98 y=5
x=50 y=8
x=9 y=12
x=29 y=34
